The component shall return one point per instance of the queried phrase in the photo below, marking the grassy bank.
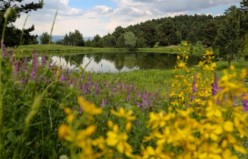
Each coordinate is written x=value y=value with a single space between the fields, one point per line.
x=61 y=49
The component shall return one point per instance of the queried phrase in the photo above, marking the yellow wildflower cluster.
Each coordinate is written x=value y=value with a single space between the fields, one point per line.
x=207 y=119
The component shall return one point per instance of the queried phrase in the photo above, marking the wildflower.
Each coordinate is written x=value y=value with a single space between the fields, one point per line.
x=122 y=113
x=62 y=78
x=119 y=140
x=215 y=84
x=34 y=66
x=70 y=115
x=65 y=132
x=244 y=102
x=88 y=107
x=4 y=50
x=44 y=60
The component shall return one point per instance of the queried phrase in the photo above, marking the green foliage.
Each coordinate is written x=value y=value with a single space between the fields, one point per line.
x=96 y=42
x=130 y=40
x=44 y=38
x=14 y=34
x=74 y=39
x=228 y=39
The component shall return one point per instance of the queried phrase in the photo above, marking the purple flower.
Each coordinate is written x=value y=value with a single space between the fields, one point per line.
x=194 y=89
x=62 y=78
x=215 y=86
x=4 y=49
x=34 y=66
x=244 y=102
x=24 y=64
x=16 y=67
x=43 y=60
x=97 y=89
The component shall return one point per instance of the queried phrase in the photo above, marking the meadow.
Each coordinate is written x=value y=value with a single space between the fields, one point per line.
x=185 y=113
x=62 y=49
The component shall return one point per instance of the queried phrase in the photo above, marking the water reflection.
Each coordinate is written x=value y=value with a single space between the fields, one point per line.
x=112 y=62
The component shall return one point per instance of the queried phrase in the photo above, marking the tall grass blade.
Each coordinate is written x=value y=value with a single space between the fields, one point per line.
x=50 y=39
x=21 y=39
x=6 y=15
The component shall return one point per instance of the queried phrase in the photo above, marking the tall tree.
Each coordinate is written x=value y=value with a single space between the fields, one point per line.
x=74 y=39
x=228 y=39
x=130 y=40
x=44 y=38
x=209 y=32
x=18 y=7
x=149 y=33
x=167 y=33
x=244 y=26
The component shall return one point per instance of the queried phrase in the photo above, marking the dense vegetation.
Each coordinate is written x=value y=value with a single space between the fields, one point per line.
x=186 y=113
x=204 y=109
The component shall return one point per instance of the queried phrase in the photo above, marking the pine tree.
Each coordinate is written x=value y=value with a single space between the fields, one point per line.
x=13 y=34
x=228 y=40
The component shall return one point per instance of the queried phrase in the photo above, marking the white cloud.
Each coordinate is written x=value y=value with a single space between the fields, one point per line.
x=103 y=19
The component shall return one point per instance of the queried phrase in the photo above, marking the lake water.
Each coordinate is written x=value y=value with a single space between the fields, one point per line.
x=121 y=62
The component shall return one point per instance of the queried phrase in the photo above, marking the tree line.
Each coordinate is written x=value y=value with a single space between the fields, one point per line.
x=226 y=34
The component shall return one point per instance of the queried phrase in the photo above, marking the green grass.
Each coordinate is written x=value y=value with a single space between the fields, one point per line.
x=156 y=79
x=62 y=49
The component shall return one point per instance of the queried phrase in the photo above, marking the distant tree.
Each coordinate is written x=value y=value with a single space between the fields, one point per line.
x=13 y=35
x=167 y=33
x=120 y=43
x=244 y=27
x=109 y=41
x=192 y=37
x=130 y=40
x=96 y=42
x=74 y=39
x=209 y=32
x=184 y=31
x=44 y=38
x=148 y=33
x=141 y=42
x=118 y=31
x=228 y=40
x=88 y=43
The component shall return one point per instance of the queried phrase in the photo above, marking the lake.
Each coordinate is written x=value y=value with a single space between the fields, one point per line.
x=120 y=62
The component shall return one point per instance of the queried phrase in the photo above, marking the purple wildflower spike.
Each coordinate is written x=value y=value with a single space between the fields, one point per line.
x=43 y=60
x=244 y=102
x=97 y=89
x=16 y=67
x=215 y=86
x=4 y=49
x=194 y=89
x=24 y=64
x=62 y=78
x=34 y=66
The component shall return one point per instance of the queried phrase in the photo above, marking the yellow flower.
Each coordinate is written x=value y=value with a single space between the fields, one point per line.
x=228 y=126
x=122 y=113
x=88 y=107
x=119 y=140
x=70 y=115
x=243 y=74
x=151 y=153
x=65 y=132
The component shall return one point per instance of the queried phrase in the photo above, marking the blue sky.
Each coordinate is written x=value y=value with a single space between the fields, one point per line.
x=87 y=4
x=101 y=17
